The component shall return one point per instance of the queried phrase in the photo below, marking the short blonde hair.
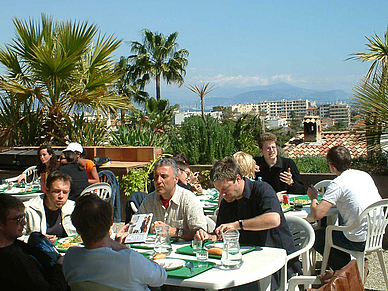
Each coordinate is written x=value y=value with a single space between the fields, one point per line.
x=246 y=163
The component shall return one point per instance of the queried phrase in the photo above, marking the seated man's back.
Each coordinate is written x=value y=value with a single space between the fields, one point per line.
x=125 y=270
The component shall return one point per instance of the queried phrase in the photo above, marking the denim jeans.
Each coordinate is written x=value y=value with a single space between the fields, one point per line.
x=337 y=258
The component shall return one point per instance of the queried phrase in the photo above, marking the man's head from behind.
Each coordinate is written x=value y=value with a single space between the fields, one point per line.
x=339 y=157
x=165 y=177
x=58 y=189
x=12 y=216
x=92 y=217
x=227 y=178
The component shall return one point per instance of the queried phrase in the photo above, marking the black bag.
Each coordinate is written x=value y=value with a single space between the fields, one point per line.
x=43 y=250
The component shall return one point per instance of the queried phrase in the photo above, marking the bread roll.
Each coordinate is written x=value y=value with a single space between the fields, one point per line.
x=215 y=251
x=159 y=256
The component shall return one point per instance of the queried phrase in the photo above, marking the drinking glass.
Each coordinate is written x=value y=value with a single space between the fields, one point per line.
x=202 y=257
x=196 y=244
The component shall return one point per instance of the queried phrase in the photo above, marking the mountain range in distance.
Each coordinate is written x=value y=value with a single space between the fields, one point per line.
x=226 y=96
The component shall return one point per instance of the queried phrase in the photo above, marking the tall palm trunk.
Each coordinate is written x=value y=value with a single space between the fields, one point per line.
x=158 y=87
x=203 y=110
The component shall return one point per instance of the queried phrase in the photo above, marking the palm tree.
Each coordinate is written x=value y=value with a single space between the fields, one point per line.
x=158 y=56
x=378 y=54
x=201 y=91
x=62 y=67
x=129 y=86
x=374 y=84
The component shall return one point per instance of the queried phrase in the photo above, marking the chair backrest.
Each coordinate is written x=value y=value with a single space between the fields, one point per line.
x=90 y=286
x=102 y=190
x=303 y=234
x=211 y=225
x=376 y=217
x=322 y=185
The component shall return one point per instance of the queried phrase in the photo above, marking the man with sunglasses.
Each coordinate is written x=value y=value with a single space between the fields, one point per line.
x=18 y=269
x=50 y=214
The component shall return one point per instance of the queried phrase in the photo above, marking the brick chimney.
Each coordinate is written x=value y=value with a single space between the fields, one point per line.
x=312 y=129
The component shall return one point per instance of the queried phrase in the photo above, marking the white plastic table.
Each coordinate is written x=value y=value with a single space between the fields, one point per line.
x=259 y=264
x=26 y=197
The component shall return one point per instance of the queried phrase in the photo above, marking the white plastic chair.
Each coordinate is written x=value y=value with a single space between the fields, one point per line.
x=90 y=286
x=102 y=190
x=31 y=171
x=211 y=225
x=322 y=185
x=376 y=220
x=304 y=238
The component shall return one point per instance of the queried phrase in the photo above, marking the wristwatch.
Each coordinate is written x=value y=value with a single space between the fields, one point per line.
x=240 y=222
x=180 y=232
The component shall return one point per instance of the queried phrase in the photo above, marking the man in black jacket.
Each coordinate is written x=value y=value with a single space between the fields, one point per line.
x=252 y=208
x=281 y=173
x=19 y=270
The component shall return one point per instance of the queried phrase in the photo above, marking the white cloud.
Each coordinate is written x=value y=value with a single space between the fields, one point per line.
x=241 y=81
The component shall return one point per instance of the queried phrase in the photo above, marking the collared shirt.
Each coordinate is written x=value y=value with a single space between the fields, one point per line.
x=184 y=210
x=271 y=175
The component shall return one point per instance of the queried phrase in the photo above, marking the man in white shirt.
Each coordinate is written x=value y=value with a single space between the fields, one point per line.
x=103 y=260
x=351 y=192
x=50 y=213
x=173 y=205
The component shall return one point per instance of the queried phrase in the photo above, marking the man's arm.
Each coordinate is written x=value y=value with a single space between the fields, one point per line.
x=296 y=185
x=318 y=210
x=261 y=222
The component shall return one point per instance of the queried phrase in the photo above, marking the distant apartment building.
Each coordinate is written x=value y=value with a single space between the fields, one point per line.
x=276 y=108
x=180 y=116
x=338 y=111
x=275 y=122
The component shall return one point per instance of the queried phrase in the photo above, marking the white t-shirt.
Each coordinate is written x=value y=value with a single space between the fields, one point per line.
x=352 y=192
x=125 y=270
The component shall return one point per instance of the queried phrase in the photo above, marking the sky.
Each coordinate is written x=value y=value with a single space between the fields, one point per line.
x=235 y=43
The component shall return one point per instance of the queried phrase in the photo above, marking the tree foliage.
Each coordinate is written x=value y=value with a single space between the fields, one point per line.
x=60 y=67
x=158 y=56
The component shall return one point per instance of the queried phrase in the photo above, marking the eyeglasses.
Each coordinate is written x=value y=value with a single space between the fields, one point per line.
x=19 y=219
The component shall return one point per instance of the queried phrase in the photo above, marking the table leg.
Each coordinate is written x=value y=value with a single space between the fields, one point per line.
x=265 y=284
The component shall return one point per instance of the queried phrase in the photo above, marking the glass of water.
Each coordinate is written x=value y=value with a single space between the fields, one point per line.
x=202 y=257
x=196 y=244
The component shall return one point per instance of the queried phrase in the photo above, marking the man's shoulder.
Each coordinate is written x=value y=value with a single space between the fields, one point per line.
x=34 y=203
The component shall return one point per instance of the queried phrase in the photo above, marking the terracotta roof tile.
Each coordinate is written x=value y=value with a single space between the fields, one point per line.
x=356 y=143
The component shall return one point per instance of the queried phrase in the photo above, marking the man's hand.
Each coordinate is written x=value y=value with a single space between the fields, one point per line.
x=116 y=246
x=286 y=177
x=312 y=192
x=171 y=230
x=280 y=195
x=51 y=237
x=122 y=234
x=225 y=227
x=196 y=188
x=201 y=234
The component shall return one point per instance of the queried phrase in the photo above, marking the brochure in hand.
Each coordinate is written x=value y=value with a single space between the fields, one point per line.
x=139 y=228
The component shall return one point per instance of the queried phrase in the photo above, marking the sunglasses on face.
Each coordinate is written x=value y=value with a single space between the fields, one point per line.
x=19 y=219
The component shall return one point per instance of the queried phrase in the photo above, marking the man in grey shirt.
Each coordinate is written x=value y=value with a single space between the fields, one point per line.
x=171 y=204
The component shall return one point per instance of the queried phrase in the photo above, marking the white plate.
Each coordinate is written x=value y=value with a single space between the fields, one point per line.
x=215 y=245
x=14 y=190
x=171 y=264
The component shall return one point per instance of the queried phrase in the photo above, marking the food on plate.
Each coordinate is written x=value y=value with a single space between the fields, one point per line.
x=302 y=201
x=29 y=190
x=159 y=256
x=65 y=243
x=215 y=251
x=285 y=206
